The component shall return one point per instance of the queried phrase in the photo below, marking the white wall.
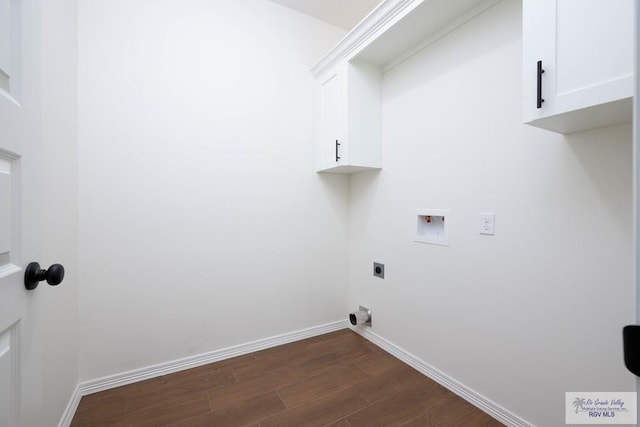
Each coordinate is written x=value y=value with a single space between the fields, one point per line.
x=56 y=308
x=536 y=310
x=202 y=223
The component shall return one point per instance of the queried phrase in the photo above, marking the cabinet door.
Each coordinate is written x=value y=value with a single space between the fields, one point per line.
x=586 y=50
x=332 y=144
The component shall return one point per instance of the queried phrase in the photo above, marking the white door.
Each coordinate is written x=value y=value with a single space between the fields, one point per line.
x=20 y=160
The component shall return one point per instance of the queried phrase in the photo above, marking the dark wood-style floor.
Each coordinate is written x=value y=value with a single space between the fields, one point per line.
x=338 y=379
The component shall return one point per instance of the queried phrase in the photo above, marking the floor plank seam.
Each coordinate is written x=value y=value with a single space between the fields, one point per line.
x=281 y=399
x=235 y=377
x=345 y=417
x=274 y=414
x=365 y=398
x=209 y=399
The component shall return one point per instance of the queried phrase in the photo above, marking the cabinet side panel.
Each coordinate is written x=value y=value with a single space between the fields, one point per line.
x=364 y=114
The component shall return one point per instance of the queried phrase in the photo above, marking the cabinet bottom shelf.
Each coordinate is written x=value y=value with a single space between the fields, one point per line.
x=347 y=169
x=597 y=116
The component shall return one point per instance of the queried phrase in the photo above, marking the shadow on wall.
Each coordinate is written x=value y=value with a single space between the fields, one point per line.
x=605 y=156
x=335 y=188
x=441 y=62
x=363 y=189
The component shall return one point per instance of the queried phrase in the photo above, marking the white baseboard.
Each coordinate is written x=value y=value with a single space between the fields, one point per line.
x=136 y=375
x=476 y=399
x=71 y=408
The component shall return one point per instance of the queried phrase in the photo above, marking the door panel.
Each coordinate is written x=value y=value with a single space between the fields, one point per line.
x=5 y=37
x=330 y=124
x=8 y=215
x=10 y=274
x=9 y=385
x=10 y=26
x=579 y=30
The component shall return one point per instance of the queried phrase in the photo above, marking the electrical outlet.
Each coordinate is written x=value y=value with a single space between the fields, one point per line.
x=487 y=223
x=378 y=270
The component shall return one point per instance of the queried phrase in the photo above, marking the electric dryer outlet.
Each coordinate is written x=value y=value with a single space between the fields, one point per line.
x=378 y=270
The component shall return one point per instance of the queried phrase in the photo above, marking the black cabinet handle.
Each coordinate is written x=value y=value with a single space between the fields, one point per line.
x=34 y=274
x=540 y=72
x=337 y=145
x=631 y=348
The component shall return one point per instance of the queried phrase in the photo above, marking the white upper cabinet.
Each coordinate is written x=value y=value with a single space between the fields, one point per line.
x=577 y=63
x=349 y=135
x=350 y=119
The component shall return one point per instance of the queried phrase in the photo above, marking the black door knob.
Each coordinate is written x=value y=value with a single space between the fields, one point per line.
x=34 y=274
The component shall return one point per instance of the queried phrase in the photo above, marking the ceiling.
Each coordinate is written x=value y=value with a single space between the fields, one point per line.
x=342 y=13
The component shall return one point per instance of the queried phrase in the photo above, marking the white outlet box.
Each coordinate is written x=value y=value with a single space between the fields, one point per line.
x=487 y=223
